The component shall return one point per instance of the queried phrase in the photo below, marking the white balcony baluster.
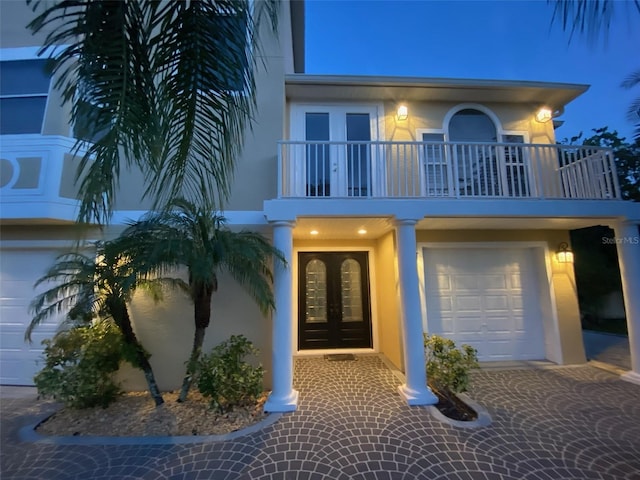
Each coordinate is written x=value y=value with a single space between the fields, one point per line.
x=445 y=169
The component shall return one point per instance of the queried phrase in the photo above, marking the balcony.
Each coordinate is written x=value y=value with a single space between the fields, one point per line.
x=36 y=179
x=445 y=170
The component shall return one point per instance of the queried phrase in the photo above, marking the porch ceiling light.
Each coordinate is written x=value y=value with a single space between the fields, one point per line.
x=563 y=254
x=362 y=231
x=544 y=115
x=313 y=232
x=402 y=113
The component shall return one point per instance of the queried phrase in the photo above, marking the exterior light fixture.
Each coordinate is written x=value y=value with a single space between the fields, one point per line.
x=402 y=113
x=544 y=115
x=362 y=231
x=563 y=254
x=313 y=232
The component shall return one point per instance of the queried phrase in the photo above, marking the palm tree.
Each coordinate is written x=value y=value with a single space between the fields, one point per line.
x=167 y=87
x=195 y=237
x=592 y=19
x=97 y=284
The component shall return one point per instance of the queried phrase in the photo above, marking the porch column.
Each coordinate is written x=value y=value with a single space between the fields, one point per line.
x=628 y=245
x=415 y=390
x=283 y=397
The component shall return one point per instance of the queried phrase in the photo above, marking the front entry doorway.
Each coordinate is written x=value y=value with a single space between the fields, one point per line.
x=333 y=300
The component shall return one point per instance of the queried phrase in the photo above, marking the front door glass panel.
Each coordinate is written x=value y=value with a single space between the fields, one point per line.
x=333 y=300
x=318 y=168
x=350 y=291
x=316 y=292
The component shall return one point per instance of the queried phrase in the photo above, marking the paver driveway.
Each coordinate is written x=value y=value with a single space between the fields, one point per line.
x=561 y=423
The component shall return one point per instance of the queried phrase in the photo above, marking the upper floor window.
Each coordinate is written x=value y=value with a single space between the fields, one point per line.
x=470 y=125
x=24 y=87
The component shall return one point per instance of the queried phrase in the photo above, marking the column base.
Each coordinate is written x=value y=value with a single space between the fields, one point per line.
x=631 y=376
x=414 y=397
x=282 y=404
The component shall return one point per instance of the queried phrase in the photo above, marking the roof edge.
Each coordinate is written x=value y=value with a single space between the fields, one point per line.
x=426 y=82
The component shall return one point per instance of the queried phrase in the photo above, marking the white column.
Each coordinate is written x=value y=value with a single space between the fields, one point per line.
x=283 y=397
x=415 y=390
x=628 y=244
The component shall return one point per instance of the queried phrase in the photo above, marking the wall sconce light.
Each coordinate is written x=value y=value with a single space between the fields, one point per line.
x=564 y=255
x=402 y=113
x=544 y=115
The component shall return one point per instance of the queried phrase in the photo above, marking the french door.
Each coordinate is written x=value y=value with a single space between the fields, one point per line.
x=338 y=159
x=333 y=300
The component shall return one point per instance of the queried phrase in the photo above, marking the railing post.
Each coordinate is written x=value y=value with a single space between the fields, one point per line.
x=280 y=169
x=614 y=174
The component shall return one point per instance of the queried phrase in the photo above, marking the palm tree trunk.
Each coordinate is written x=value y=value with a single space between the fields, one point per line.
x=202 y=316
x=121 y=316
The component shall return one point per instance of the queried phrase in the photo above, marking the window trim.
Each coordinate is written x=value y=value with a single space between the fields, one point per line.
x=26 y=54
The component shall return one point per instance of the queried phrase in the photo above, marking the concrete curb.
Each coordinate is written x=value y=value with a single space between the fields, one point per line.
x=28 y=434
x=483 y=420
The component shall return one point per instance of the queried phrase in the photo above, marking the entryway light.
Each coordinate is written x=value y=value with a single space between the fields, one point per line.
x=313 y=232
x=564 y=255
x=402 y=113
x=544 y=115
x=362 y=231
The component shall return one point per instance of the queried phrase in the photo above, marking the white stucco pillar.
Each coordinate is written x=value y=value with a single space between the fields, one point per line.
x=283 y=397
x=628 y=245
x=415 y=391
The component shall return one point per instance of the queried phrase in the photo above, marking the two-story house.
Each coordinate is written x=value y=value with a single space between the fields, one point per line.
x=403 y=206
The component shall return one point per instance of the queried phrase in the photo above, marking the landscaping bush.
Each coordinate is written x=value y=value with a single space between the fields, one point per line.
x=79 y=366
x=226 y=378
x=448 y=367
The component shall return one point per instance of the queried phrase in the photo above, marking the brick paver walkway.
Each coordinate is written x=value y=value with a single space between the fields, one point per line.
x=561 y=423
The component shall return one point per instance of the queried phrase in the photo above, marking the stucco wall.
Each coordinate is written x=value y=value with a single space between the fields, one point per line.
x=389 y=333
x=166 y=330
x=565 y=297
x=431 y=115
x=256 y=169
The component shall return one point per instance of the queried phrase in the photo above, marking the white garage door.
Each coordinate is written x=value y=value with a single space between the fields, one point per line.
x=486 y=298
x=19 y=269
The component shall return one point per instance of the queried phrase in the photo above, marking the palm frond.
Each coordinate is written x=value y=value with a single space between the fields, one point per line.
x=166 y=86
x=589 y=18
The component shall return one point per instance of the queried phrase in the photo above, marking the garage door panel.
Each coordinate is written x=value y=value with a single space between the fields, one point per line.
x=499 y=325
x=493 y=297
x=465 y=283
x=19 y=269
x=497 y=303
x=492 y=282
x=467 y=303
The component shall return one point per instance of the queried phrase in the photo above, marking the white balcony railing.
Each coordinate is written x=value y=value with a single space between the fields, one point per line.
x=37 y=177
x=445 y=169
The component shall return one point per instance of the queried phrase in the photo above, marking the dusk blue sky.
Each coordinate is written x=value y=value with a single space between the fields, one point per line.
x=511 y=40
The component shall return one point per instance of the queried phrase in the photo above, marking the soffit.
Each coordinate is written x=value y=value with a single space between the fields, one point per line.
x=296 y=9
x=410 y=89
x=346 y=228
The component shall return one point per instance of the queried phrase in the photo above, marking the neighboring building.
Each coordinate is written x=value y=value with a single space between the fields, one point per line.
x=444 y=216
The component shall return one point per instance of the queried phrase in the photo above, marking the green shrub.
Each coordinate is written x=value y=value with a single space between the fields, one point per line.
x=226 y=378
x=448 y=367
x=79 y=366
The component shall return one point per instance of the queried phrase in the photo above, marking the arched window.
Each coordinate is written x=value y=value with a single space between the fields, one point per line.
x=471 y=125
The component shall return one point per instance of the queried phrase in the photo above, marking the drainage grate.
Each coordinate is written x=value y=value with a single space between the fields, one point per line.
x=339 y=357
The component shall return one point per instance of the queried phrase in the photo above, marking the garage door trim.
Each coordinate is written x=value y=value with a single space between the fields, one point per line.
x=551 y=330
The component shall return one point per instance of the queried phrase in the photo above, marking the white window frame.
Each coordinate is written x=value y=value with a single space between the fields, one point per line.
x=25 y=54
x=446 y=162
x=337 y=132
x=525 y=158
